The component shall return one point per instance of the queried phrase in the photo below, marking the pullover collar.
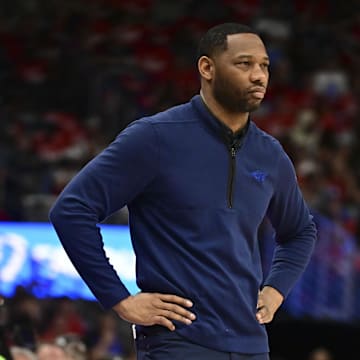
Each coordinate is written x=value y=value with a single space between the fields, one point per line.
x=232 y=139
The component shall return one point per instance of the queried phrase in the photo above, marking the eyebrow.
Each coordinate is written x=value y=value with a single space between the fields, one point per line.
x=245 y=56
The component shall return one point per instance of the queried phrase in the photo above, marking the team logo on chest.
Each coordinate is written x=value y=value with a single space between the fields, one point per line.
x=259 y=175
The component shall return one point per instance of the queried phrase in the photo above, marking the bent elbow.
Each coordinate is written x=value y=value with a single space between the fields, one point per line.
x=55 y=213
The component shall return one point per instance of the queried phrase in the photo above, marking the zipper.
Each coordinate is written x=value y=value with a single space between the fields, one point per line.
x=232 y=169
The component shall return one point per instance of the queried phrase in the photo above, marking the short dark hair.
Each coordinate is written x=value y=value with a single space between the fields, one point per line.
x=215 y=39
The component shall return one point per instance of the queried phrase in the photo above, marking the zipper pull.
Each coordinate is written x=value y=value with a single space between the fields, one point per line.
x=233 y=152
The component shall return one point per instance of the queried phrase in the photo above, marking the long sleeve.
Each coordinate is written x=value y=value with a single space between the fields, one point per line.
x=294 y=230
x=111 y=180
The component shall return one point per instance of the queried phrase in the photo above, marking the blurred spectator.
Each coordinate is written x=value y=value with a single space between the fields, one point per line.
x=25 y=316
x=73 y=346
x=48 y=351
x=19 y=353
x=105 y=340
x=331 y=82
x=62 y=318
x=320 y=354
x=306 y=132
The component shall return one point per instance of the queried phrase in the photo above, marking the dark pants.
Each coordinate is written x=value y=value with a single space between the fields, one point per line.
x=171 y=346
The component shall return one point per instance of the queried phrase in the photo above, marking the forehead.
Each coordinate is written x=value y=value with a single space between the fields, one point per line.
x=245 y=44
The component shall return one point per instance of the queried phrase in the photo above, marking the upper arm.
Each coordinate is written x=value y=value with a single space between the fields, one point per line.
x=117 y=175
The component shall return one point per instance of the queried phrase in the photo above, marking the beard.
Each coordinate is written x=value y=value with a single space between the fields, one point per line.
x=231 y=98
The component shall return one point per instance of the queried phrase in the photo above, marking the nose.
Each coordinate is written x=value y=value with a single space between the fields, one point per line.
x=259 y=74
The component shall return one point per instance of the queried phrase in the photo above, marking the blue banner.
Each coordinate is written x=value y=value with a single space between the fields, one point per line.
x=31 y=256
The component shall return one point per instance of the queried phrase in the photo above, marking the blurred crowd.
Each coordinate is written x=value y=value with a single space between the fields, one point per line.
x=61 y=329
x=75 y=73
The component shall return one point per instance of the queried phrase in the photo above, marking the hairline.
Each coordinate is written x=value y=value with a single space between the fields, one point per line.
x=215 y=41
x=219 y=51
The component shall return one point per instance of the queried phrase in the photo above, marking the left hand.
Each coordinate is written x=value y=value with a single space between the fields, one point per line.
x=269 y=300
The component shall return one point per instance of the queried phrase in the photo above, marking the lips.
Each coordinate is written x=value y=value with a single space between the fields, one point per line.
x=258 y=92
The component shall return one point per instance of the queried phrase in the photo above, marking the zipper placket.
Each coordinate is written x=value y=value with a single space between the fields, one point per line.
x=232 y=169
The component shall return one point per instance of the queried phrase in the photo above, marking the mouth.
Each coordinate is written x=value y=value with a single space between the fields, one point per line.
x=257 y=92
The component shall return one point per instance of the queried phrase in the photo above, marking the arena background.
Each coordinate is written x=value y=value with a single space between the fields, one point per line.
x=74 y=73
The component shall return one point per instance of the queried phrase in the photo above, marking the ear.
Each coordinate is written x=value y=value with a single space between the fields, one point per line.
x=206 y=68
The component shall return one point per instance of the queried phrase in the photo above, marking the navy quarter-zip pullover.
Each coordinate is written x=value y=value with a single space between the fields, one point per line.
x=195 y=202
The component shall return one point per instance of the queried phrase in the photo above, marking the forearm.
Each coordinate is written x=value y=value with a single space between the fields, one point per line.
x=76 y=227
x=290 y=260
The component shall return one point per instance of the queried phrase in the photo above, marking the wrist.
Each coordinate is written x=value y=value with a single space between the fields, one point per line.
x=121 y=308
x=274 y=293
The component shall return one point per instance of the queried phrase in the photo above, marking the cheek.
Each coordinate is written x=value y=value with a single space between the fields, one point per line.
x=237 y=86
x=238 y=80
x=232 y=81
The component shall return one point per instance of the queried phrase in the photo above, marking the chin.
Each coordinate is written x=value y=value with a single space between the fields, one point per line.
x=253 y=107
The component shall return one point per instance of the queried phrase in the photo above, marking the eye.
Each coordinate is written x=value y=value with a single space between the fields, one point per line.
x=243 y=63
x=265 y=65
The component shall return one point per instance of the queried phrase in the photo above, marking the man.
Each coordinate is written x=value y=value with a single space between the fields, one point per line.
x=198 y=180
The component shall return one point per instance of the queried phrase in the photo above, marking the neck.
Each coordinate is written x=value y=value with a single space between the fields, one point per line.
x=234 y=121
